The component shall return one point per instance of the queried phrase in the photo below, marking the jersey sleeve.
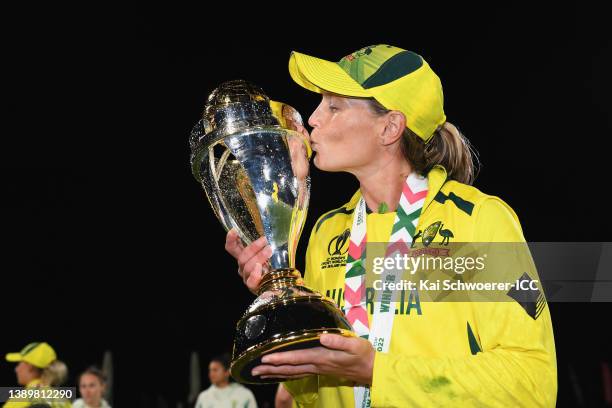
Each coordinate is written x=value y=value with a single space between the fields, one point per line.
x=16 y=404
x=515 y=362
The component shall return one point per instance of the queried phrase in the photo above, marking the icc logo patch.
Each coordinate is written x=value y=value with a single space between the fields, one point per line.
x=338 y=244
x=337 y=248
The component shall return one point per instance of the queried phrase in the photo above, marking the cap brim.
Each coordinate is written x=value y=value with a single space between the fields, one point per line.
x=319 y=75
x=14 y=357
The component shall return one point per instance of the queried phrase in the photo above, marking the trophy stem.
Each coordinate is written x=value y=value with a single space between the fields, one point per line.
x=280 y=279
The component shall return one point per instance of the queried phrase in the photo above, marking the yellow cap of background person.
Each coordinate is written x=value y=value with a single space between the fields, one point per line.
x=38 y=354
x=400 y=80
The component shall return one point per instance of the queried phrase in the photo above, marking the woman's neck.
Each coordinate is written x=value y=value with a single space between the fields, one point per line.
x=222 y=384
x=382 y=183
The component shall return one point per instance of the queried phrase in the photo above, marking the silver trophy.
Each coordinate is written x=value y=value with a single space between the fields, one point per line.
x=253 y=164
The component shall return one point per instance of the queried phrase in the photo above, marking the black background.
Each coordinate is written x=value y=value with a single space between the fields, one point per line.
x=108 y=243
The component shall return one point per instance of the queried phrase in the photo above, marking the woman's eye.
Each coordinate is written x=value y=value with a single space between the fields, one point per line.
x=333 y=108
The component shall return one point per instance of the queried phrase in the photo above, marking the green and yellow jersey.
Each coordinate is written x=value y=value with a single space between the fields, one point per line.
x=441 y=353
x=51 y=403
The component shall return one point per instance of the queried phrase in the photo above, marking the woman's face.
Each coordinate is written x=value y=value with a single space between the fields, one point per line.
x=344 y=134
x=217 y=374
x=26 y=372
x=91 y=389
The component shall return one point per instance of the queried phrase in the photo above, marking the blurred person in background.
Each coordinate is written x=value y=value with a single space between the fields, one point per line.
x=38 y=368
x=92 y=386
x=223 y=393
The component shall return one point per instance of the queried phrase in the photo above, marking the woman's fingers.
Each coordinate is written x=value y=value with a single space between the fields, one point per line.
x=254 y=268
x=233 y=243
x=260 y=257
x=286 y=377
x=254 y=278
x=285 y=370
x=250 y=258
x=251 y=261
x=251 y=250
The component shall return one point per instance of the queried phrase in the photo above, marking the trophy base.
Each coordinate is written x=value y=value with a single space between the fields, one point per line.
x=285 y=316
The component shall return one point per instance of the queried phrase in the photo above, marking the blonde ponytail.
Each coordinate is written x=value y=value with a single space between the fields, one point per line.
x=451 y=149
x=447 y=147
x=55 y=374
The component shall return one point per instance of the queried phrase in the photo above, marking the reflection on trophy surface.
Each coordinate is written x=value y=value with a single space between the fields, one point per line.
x=253 y=165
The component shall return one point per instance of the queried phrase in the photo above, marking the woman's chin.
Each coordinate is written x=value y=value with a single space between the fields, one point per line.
x=318 y=163
x=321 y=165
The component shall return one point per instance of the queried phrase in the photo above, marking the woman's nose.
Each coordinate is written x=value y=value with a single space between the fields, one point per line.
x=313 y=120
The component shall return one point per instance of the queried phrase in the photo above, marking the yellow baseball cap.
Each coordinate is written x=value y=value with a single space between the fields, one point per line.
x=38 y=354
x=400 y=80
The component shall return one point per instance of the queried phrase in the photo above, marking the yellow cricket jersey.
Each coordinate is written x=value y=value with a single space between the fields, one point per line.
x=36 y=384
x=455 y=354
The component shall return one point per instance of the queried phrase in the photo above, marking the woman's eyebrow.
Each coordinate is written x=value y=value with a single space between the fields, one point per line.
x=337 y=98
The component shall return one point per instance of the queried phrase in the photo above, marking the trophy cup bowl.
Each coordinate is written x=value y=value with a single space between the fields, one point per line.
x=253 y=166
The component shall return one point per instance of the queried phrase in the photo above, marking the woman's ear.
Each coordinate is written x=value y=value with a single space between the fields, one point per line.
x=394 y=127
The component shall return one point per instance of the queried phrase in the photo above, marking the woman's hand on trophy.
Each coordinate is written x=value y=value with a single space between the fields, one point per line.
x=250 y=258
x=347 y=357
